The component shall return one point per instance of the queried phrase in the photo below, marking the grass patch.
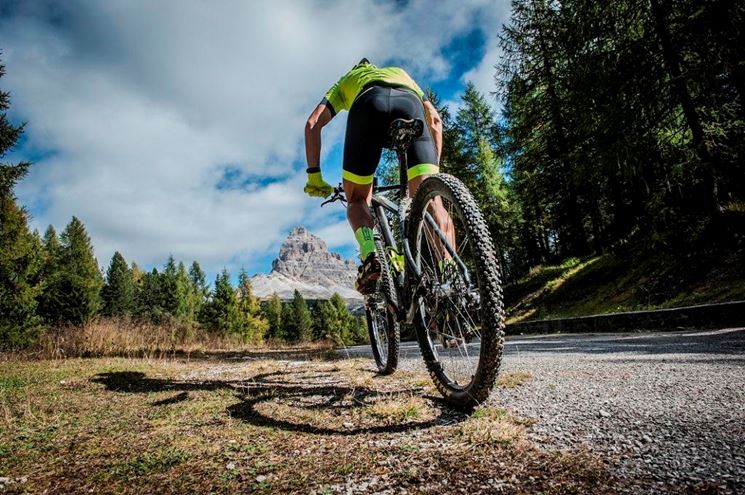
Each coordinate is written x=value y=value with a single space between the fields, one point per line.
x=226 y=426
x=490 y=425
x=111 y=337
x=514 y=379
x=11 y=383
x=149 y=463
x=613 y=283
x=394 y=411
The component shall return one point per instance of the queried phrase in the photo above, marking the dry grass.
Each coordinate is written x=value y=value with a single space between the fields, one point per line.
x=120 y=425
x=110 y=337
x=514 y=379
x=490 y=425
x=396 y=411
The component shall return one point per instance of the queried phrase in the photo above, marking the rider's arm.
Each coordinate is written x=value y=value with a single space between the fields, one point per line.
x=435 y=125
x=318 y=118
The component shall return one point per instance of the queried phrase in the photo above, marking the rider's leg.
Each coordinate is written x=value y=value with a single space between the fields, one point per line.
x=358 y=209
x=358 y=214
x=438 y=212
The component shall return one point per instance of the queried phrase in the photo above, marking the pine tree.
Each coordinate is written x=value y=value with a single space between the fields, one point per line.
x=359 y=332
x=325 y=323
x=19 y=249
x=335 y=322
x=149 y=297
x=174 y=286
x=198 y=289
x=221 y=314
x=254 y=325
x=297 y=320
x=289 y=330
x=136 y=273
x=478 y=132
x=186 y=313
x=272 y=311
x=301 y=317
x=345 y=321
x=51 y=252
x=76 y=289
x=118 y=294
x=19 y=261
x=318 y=330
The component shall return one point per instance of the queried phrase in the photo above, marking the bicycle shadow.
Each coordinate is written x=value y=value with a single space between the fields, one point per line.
x=297 y=401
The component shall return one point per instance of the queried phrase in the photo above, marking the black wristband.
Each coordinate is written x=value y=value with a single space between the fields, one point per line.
x=312 y=170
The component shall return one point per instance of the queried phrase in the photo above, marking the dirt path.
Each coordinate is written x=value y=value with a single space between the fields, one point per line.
x=156 y=426
x=604 y=414
x=666 y=411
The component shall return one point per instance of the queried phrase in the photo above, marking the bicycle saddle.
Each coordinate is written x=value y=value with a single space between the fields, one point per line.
x=402 y=132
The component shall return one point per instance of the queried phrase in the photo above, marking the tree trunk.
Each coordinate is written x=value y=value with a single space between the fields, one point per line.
x=681 y=93
x=572 y=218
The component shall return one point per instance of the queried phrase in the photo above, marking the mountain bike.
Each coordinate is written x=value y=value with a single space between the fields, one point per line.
x=439 y=272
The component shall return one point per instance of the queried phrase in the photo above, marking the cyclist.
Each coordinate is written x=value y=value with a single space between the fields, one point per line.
x=374 y=96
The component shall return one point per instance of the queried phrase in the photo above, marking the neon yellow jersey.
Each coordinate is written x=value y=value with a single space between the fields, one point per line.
x=343 y=93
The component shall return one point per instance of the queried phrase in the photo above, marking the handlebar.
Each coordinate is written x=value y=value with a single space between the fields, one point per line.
x=338 y=195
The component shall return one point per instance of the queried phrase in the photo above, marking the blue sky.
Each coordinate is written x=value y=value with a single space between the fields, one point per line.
x=175 y=127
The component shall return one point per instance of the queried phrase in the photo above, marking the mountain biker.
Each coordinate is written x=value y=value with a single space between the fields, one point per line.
x=374 y=96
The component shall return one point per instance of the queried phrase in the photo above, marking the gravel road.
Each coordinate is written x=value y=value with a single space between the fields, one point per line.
x=666 y=410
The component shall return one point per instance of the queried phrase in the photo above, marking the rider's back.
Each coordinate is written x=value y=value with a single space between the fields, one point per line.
x=344 y=92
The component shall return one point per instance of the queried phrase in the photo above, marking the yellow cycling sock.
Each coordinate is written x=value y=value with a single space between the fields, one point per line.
x=364 y=237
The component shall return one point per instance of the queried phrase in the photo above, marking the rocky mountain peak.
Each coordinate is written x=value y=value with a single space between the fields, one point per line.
x=305 y=263
x=306 y=257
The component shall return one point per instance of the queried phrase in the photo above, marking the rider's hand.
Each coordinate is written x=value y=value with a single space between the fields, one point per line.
x=317 y=187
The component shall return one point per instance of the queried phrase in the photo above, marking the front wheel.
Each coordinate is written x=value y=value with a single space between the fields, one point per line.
x=460 y=317
x=382 y=324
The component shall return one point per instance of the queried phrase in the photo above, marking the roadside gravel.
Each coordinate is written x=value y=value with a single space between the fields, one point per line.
x=666 y=411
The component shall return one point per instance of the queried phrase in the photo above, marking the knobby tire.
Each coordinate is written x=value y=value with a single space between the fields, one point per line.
x=487 y=273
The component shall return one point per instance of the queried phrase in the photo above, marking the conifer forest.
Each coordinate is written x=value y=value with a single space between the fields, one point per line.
x=620 y=130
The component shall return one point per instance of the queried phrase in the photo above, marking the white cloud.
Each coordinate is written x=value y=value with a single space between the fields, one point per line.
x=144 y=103
x=483 y=75
x=337 y=235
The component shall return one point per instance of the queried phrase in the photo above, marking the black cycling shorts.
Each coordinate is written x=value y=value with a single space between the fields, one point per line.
x=367 y=132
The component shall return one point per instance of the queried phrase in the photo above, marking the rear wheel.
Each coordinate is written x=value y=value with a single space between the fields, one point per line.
x=460 y=318
x=382 y=325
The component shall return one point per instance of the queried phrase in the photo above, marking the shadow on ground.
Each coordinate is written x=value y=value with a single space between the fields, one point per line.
x=304 y=393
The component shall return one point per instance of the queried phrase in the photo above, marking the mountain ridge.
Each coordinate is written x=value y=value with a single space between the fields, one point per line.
x=304 y=263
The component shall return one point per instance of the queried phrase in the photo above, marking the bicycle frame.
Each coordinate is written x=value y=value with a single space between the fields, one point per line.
x=405 y=289
x=407 y=281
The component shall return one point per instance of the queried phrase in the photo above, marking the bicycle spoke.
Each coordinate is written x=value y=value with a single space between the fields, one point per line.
x=453 y=329
x=459 y=319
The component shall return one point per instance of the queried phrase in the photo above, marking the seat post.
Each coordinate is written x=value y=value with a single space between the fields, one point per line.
x=403 y=167
x=401 y=133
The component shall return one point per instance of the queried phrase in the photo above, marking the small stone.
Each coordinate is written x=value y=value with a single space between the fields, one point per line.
x=230 y=466
x=260 y=478
x=646 y=439
x=348 y=425
x=4 y=481
x=603 y=413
